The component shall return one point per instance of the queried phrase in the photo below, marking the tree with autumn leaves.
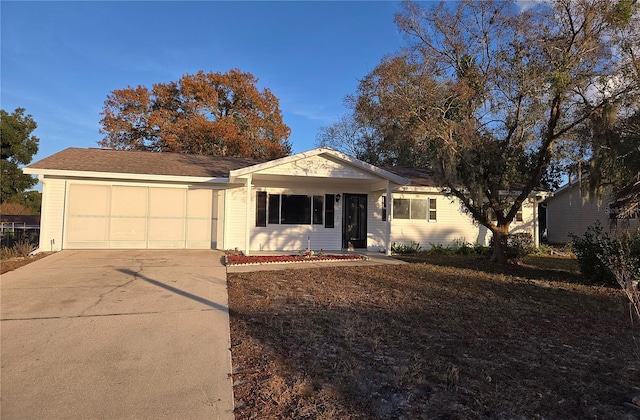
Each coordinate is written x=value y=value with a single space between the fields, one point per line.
x=218 y=114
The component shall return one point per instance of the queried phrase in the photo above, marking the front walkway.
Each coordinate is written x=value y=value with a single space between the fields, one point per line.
x=373 y=258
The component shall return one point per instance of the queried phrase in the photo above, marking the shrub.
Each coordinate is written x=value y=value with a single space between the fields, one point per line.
x=597 y=250
x=20 y=249
x=412 y=248
x=440 y=249
x=482 y=250
x=519 y=245
x=462 y=247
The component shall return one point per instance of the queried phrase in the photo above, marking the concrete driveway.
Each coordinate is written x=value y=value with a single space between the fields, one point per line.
x=116 y=334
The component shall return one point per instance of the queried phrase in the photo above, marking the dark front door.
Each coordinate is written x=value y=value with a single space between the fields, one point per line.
x=354 y=221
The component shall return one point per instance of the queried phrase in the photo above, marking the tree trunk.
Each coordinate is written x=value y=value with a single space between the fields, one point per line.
x=500 y=233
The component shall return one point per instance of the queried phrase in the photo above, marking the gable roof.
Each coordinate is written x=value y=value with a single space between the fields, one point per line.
x=139 y=162
x=334 y=154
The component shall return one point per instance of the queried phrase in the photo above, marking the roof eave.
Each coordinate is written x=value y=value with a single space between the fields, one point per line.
x=119 y=175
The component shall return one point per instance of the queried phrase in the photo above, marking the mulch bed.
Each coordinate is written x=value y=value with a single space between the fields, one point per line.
x=283 y=259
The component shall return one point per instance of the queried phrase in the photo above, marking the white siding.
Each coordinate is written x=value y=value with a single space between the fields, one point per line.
x=278 y=236
x=52 y=219
x=217 y=221
x=234 y=218
x=452 y=224
x=297 y=237
x=376 y=227
x=527 y=224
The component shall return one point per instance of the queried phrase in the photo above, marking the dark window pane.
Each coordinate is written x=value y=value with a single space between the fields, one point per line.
x=432 y=209
x=330 y=200
x=401 y=208
x=317 y=209
x=419 y=209
x=261 y=208
x=384 y=208
x=295 y=210
x=274 y=209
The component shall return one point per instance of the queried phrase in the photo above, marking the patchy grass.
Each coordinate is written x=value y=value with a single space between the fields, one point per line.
x=452 y=338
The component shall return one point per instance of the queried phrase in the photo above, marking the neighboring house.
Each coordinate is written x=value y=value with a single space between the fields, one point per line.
x=20 y=221
x=572 y=209
x=95 y=198
x=15 y=228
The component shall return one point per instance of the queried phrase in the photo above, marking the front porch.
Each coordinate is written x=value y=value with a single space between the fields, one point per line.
x=319 y=199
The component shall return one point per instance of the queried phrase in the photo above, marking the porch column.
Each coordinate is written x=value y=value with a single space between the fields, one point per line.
x=389 y=217
x=247 y=224
x=536 y=236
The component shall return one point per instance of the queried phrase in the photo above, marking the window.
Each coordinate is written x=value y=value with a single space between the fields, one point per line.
x=432 y=210
x=295 y=209
x=401 y=208
x=317 y=209
x=329 y=200
x=384 y=208
x=274 y=209
x=491 y=215
x=261 y=208
x=414 y=209
x=418 y=209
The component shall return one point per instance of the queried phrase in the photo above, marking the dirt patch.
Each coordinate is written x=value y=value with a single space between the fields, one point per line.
x=14 y=263
x=429 y=341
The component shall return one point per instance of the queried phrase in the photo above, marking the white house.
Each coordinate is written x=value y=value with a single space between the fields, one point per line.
x=96 y=198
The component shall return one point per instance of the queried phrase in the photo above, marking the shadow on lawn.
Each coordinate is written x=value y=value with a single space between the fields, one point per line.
x=415 y=342
x=532 y=267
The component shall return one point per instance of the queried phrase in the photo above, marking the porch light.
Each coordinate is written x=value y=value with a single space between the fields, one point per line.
x=337 y=198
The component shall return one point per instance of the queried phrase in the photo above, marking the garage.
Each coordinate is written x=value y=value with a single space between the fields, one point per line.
x=139 y=217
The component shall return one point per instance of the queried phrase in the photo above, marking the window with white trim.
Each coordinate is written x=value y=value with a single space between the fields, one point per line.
x=491 y=215
x=290 y=209
x=433 y=216
x=415 y=209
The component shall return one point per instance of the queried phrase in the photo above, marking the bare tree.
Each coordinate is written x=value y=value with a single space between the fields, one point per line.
x=490 y=95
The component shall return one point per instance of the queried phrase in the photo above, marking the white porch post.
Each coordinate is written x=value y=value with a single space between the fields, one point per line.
x=389 y=203
x=247 y=230
x=536 y=236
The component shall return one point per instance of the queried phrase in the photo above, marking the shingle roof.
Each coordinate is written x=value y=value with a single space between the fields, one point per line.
x=419 y=177
x=138 y=162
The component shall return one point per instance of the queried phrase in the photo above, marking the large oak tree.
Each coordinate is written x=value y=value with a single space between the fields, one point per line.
x=219 y=114
x=491 y=96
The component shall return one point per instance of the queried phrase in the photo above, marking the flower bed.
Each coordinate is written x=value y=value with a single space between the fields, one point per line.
x=283 y=259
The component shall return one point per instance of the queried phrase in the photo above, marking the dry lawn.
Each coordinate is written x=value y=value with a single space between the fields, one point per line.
x=449 y=337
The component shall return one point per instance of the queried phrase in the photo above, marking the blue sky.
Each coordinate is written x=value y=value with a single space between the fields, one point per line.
x=59 y=60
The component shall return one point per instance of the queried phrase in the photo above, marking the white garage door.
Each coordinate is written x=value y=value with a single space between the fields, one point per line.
x=126 y=217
